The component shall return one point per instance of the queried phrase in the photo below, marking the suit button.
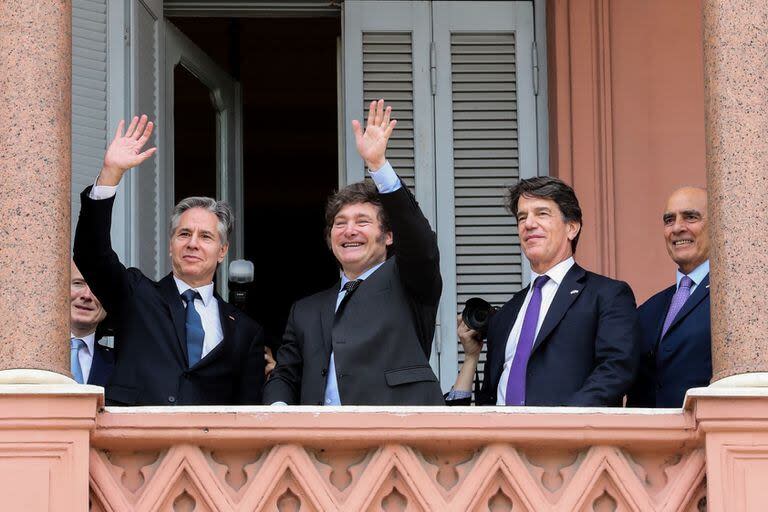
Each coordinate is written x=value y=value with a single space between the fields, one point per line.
x=324 y=372
x=172 y=399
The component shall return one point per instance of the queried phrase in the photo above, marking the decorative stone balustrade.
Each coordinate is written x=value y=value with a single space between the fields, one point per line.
x=398 y=459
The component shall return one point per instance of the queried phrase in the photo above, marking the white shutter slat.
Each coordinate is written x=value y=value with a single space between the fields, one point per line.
x=388 y=73
x=145 y=38
x=485 y=162
x=89 y=95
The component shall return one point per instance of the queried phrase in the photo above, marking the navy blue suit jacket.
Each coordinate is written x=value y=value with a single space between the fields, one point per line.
x=586 y=352
x=682 y=359
x=102 y=365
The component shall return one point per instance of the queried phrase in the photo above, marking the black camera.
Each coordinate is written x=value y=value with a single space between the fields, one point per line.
x=477 y=313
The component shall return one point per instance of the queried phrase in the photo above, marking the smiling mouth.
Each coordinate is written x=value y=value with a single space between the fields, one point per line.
x=681 y=243
x=351 y=245
x=83 y=308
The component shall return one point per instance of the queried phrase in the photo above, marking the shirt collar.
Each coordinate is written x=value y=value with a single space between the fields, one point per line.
x=365 y=275
x=697 y=275
x=206 y=292
x=557 y=273
x=88 y=339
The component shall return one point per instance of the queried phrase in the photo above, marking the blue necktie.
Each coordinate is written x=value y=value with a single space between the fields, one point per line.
x=74 y=361
x=194 y=325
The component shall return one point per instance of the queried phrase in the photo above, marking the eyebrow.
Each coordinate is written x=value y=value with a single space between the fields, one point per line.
x=668 y=215
x=536 y=210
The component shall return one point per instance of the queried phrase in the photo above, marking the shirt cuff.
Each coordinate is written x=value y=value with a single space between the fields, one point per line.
x=457 y=394
x=385 y=178
x=278 y=403
x=102 y=191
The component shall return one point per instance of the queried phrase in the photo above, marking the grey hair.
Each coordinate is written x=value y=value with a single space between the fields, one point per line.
x=221 y=209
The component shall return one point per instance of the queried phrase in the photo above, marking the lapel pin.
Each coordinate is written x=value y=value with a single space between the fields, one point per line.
x=231 y=317
x=707 y=287
x=574 y=292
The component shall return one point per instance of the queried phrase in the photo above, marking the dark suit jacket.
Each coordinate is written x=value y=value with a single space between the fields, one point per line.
x=150 y=342
x=102 y=365
x=679 y=361
x=382 y=336
x=586 y=352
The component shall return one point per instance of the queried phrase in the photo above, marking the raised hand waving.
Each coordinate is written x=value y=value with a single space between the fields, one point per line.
x=124 y=152
x=372 y=144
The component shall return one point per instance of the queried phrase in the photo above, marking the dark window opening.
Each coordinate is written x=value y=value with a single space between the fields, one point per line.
x=287 y=69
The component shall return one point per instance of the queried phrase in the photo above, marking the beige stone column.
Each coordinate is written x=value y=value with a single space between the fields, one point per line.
x=736 y=101
x=35 y=146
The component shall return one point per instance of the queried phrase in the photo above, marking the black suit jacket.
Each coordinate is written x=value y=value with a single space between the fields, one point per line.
x=382 y=336
x=150 y=342
x=102 y=365
x=679 y=361
x=586 y=352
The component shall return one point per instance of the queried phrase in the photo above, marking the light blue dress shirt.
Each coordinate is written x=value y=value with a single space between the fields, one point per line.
x=386 y=181
x=697 y=275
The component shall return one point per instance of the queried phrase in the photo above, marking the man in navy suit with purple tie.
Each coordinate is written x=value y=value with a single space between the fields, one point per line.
x=675 y=323
x=568 y=339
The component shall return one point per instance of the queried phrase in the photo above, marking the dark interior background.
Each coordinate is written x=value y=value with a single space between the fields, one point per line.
x=287 y=71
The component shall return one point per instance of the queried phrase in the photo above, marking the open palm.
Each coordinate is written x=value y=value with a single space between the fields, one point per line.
x=124 y=151
x=372 y=144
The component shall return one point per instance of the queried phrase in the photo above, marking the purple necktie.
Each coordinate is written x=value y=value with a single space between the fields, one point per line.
x=678 y=299
x=516 y=383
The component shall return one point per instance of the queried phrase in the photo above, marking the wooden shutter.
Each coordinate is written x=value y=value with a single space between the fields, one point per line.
x=89 y=95
x=485 y=128
x=388 y=73
x=386 y=55
x=148 y=194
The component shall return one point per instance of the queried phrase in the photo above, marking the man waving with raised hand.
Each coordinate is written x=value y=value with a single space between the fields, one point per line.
x=367 y=339
x=176 y=341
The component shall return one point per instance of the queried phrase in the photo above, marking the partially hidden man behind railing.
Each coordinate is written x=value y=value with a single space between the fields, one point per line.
x=176 y=341
x=367 y=339
x=570 y=338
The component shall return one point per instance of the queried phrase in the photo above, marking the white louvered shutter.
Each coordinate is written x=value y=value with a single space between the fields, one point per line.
x=386 y=55
x=89 y=95
x=485 y=128
x=388 y=73
x=149 y=204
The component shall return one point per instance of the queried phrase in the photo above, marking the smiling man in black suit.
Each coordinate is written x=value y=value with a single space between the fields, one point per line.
x=367 y=339
x=176 y=341
x=570 y=338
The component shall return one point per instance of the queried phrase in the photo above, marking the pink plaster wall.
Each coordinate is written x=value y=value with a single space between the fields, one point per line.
x=626 y=124
x=658 y=95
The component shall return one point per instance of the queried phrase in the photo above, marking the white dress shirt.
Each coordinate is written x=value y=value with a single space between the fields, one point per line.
x=556 y=275
x=85 y=353
x=208 y=309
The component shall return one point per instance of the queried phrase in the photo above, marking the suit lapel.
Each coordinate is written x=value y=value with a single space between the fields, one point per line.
x=571 y=287
x=507 y=321
x=701 y=291
x=102 y=364
x=327 y=314
x=670 y=292
x=170 y=294
x=228 y=316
